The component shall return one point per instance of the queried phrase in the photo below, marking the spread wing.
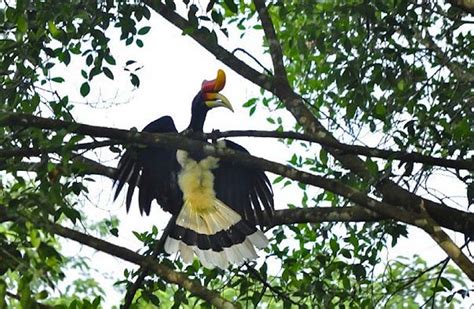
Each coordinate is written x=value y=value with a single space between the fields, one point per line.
x=152 y=169
x=246 y=190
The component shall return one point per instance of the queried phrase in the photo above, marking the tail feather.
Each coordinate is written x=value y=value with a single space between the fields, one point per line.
x=259 y=239
x=186 y=252
x=217 y=236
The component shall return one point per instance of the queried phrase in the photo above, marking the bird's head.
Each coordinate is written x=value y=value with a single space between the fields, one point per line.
x=206 y=99
x=209 y=97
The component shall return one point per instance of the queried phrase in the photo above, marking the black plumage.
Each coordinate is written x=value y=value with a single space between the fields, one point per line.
x=216 y=222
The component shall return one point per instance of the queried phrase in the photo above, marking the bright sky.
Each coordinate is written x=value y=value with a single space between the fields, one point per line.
x=173 y=69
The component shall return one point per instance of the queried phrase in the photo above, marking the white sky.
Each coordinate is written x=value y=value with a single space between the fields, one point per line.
x=173 y=69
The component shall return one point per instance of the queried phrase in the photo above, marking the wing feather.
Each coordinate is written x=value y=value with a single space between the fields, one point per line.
x=246 y=190
x=153 y=170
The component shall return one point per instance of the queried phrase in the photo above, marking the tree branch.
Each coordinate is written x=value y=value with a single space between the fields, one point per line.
x=324 y=214
x=466 y=5
x=402 y=156
x=445 y=242
x=34 y=152
x=276 y=52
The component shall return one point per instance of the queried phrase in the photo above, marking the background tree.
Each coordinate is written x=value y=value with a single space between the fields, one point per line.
x=378 y=97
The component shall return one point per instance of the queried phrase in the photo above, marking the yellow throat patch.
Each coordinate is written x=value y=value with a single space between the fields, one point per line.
x=196 y=181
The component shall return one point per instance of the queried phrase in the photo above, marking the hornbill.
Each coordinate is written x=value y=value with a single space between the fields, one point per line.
x=215 y=204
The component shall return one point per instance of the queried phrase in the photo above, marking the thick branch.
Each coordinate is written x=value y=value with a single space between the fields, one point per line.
x=466 y=5
x=402 y=156
x=34 y=152
x=276 y=52
x=324 y=214
x=280 y=217
x=445 y=242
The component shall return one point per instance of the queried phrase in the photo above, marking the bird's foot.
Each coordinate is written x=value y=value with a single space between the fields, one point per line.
x=214 y=135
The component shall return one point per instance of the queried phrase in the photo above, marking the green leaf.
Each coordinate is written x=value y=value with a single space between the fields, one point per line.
x=53 y=29
x=446 y=283
x=462 y=129
x=21 y=24
x=351 y=110
x=96 y=70
x=108 y=73
x=114 y=231
x=65 y=57
x=380 y=110
x=135 y=80
x=250 y=102
x=346 y=253
x=76 y=188
x=144 y=30
x=71 y=214
x=89 y=59
x=58 y=79
x=110 y=60
x=359 y=271
x=42 y=295
x=231 y=6
x=96 y=302
x=334 y=246
x=401 y=84
x=252 y=110
x=85 y=89
x=278 y=179
x=323 y=157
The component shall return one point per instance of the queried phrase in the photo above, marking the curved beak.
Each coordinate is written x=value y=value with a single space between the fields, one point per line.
x=213 y=99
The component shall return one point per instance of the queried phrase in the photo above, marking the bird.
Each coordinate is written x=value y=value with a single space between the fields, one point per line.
x=217 y=206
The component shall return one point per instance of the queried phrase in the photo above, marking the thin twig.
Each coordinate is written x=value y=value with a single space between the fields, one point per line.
x=253 y=58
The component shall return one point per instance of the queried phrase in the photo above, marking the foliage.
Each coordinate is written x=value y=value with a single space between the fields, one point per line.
x=394 y=73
